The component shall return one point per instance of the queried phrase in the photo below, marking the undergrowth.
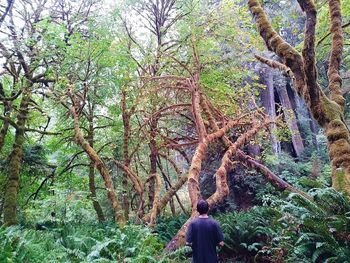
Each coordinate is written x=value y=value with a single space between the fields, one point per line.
x=291 y=229
x=83 y=243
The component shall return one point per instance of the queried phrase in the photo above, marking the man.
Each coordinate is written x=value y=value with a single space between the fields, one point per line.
x=203 y=235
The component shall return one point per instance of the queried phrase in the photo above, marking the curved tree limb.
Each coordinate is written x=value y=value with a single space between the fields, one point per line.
x=101 y=167
x=269 y=175
x=275 y=64
x=277 y=44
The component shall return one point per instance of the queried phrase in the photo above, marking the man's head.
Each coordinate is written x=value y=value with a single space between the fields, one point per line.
x=202 y=207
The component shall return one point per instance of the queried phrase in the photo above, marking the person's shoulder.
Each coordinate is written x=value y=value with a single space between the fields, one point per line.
x=213 y=221
x=193 y=221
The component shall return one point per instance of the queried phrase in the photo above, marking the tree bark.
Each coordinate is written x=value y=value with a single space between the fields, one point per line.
x=6 y=123
x=171 y=202
x=3 y=132
x=268 y=99
x=138 y=185
x=16 y=156
x=126 y=136
x=154 y=210
x=153 y=162
x=92 y=186
x=290 y=119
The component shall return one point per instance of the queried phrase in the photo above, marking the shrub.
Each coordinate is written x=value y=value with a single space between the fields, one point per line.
x=246 y=233
x=322 y=229
x=80 y=243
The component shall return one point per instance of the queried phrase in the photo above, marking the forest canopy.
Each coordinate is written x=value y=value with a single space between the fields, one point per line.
x=117 y=117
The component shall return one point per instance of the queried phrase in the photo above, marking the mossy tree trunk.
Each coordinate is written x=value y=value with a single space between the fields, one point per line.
x=92 y=186
x=6 y=123
x=153 y=162
x=126 y=155
x=100 y=165
x=137 y=183
x=16 y=156
x=328 y=111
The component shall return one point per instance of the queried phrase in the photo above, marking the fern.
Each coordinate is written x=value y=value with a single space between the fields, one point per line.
x=319 y=226
x=79 y=243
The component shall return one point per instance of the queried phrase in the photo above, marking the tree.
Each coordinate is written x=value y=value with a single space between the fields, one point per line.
x=328 y=111
x=25 y=67
x=29 y=62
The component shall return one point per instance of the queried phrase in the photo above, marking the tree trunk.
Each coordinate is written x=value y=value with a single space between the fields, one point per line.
x=153 y=163
x=3 y=132
x=92 y=187
x=125 y=196
x=101 y=167
x=171 y=202
x=328 y=111
x=126 y=135
x=167 y=184
x=193 y=177
x=290 y=119
x=268 y=100
x=12 y=187
x=339 y=151
x=154 y=210
x=172 y=206
x=138 y=185
x=6 y=123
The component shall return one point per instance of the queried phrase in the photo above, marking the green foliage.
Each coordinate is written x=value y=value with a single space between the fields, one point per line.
x=309 y=172
x=100 y=55
x=80 y=243
x=69 y=205
x=167 y=227
x=293 y=229
x=248 y=232
x=322 y=226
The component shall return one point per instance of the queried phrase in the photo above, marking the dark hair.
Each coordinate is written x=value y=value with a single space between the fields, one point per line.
x=202 y=207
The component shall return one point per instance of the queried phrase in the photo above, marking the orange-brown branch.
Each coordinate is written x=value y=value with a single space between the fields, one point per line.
x=222 y=189
x=101 y=167
x=155 y=209
x=133 y=177
x=268 y=174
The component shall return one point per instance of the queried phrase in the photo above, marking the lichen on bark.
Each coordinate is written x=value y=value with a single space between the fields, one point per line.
x=16 y=155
